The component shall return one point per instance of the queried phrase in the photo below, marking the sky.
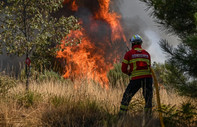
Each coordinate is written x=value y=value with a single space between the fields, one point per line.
x=134 y=9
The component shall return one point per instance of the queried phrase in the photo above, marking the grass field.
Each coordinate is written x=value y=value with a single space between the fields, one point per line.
x=81 y=103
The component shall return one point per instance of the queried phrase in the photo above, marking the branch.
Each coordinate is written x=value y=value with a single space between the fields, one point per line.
x=4 y=22
x=166 y=47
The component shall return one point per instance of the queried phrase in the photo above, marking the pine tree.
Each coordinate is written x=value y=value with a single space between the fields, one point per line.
x=179 y=17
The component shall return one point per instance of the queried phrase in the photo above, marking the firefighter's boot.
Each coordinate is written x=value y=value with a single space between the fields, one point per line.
x=123 y=111
x=147 y=116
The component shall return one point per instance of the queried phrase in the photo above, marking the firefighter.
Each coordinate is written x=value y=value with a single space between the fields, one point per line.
x=139 y=62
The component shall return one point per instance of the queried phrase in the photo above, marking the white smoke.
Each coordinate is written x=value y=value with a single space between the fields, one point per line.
x=141 y=23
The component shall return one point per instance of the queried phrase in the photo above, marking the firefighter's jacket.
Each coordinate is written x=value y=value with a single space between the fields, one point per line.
x=139 y=61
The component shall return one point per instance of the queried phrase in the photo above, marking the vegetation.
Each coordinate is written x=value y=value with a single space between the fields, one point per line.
x=179 y=18
x=172 y=79
x=29 y=27
x=185 y=116
x=84 y=103
x=175 y=16
x=116 y=77
x=6 y=83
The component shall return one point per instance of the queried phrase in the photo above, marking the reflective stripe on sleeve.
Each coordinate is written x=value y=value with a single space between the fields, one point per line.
x=125 y=61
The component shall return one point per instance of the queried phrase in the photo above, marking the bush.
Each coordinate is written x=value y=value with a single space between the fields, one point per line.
x=84 y=113
x=185 y=116
x=6 y=83
x=116 y=77
x=189 y=89
x=33 y=74
x=57 y=101
x=42 y=76
x=50 y=75
x=173 y=79
x=28 y=99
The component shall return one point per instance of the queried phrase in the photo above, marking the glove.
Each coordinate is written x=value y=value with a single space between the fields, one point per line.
x=129 y=74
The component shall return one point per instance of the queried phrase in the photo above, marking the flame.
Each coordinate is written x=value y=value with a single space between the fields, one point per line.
x=82 y=60
x=73 y=6
x=112 y=18
x=82 y=57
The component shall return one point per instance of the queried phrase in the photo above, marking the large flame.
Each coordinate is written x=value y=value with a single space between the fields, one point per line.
x=112 y=18
x=85 y=58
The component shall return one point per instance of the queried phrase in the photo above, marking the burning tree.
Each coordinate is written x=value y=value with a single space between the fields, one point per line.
x=101 y=40
x=29 y=25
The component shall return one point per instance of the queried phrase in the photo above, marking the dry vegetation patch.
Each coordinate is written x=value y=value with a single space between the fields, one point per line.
x=80 y=103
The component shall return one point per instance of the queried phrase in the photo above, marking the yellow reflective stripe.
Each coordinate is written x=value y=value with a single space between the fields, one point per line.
x=140 y=73
x=138 y=49
x=140 y=59
x=123 y=107
x=134 y=66
x=125 y=61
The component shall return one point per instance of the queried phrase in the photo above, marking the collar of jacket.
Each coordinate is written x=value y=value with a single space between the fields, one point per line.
x=136 y=46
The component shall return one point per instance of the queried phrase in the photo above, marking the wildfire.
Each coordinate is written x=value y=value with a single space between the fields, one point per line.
x=84 y=59
x=89 y=56
x=112 y=18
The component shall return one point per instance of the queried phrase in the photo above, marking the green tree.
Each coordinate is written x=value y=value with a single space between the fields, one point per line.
x=28 y=26
x=178 y=17
x=175 y=16
x=171 y=77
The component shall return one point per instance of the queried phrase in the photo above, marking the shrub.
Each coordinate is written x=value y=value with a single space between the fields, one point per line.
x=28 y=99
x=173 y=79
x=42 y=76
x=50 y=75
x=84 y=113
x=116 y=77
x=185 y=116
x=6 y=83
x=57 y=100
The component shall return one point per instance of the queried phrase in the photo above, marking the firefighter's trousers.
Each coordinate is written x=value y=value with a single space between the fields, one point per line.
x=132 y=88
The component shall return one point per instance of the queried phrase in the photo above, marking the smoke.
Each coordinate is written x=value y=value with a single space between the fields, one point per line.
x=135 y=25
x=96 y=29
x=136 y=20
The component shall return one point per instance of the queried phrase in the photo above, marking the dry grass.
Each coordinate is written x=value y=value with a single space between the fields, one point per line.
x=79 y=103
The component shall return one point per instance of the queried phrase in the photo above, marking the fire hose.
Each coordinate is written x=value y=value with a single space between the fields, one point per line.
x=158 y=98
